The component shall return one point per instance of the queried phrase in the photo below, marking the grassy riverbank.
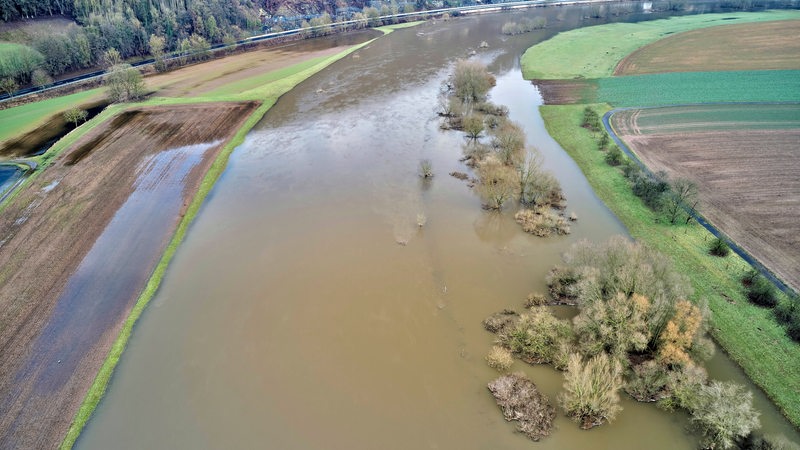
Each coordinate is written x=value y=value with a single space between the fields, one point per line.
x=267 y=94
x=594 y=52
x=748 y=333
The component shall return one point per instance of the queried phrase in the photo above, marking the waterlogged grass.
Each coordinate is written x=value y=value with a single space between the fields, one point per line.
x=386 y=29
x=700 y=87
x=267 y=94
x=749 y=334
x=594 y=52
x=21 y=119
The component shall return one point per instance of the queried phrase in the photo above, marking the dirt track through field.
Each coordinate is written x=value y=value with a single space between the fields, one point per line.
x=747 y=180
x=77 y=247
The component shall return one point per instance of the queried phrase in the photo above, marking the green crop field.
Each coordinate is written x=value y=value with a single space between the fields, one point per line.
x=593 y=52
x=700 y=87
x=21 y=119
x=675 y=119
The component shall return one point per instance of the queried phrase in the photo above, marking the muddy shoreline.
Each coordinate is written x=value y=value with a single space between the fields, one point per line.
x=45 y=235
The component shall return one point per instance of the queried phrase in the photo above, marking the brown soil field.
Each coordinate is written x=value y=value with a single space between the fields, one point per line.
x=566 y=92
x=747 y=181
x=750 y=46
x=48 y=229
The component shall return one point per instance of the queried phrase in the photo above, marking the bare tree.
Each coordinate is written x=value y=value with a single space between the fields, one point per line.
x=498 y=183
x=682 y=198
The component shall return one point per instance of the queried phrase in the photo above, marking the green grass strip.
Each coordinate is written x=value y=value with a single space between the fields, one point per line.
x=271 y=94
x=748 y=333
x=700 y=87
x=594 y=52
x=21 y=119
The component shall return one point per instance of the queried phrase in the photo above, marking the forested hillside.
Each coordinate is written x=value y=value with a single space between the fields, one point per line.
x=91 y=27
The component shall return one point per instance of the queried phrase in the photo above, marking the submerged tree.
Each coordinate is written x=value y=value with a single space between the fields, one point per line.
x=724 y=413
x=471 y=81
x=498 y=183
x=591 y=390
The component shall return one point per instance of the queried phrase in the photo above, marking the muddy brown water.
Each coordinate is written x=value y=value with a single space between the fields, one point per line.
x=306 y=309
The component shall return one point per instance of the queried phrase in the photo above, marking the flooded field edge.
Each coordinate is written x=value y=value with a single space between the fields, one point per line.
x=48 y=181
x=98 y=387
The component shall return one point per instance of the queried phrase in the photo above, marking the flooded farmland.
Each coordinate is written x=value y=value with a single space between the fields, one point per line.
x=307 y=309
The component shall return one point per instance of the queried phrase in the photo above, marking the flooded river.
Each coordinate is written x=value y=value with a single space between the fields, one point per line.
x=307 y=310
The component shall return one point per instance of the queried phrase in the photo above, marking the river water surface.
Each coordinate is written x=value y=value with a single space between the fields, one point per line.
x=307 y=310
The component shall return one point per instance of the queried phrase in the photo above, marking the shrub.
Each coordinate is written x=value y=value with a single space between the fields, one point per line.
x=536 y=336
x=616 y=326
x=749 y=277
x=762 y=292
x=677 y=337
x=473 y=126
x=683 y=385
x=563 y=284
x=724 y=413
x=498 y=183
x=471 y=81
x=614 y=156
x=542 y=222
x=519 y=399
x=497 y=322
x=475 y=152
x=787 y=312
x=591 y=120
x=426 y=168
x=719 y=248
x=499 y=358
x=591 y=388
x=539 y=187
x=630 y=169
x=491 y=109
x=648 y=382
x=602 y=144
x=509 y=143
x=597 y=272
x=650 y=188
x=535 y=300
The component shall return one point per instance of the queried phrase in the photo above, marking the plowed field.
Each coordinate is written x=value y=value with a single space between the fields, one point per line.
x=746 y=171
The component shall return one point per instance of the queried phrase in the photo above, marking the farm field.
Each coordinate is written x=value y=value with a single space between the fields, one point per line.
x=235 y=73
x=595 y=52
x=700 y=87
x=750 y=46
x=746 y=171
x=158 y=154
